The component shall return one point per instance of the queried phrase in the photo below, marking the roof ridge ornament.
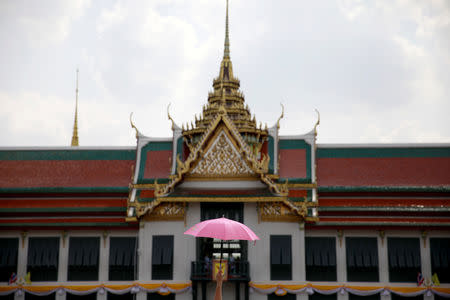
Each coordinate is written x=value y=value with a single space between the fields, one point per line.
x=138 y=133
x=174 y=125
x=317 y=123
x=281 y=116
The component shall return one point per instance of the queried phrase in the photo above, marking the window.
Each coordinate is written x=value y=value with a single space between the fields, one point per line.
x=162 y=257
x=232 y=211
x=122 y=258
x=9 y=248
x=317 y=296
x=371 y=297
x=211 y=248
x=440 y=258
x=83 y=258
x=43 y=255
x=156 y=296
x=92 y=296
x=404 y=259
x=320 y=253
x=362 y=259
x=280 y=257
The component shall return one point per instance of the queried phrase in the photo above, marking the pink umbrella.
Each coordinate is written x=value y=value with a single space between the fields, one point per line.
x=223 y=229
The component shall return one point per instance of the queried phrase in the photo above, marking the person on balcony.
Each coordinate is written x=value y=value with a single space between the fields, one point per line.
x=219 y=280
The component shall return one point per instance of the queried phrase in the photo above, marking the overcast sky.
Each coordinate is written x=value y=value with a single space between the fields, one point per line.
x=378 y=71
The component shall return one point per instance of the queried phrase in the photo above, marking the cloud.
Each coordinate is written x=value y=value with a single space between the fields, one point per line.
x=32 y=118
x=111 y=17
x=42 y=23
x=377 y=71
x=351 y=8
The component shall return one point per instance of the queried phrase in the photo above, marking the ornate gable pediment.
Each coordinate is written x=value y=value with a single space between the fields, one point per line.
x=221 y=158
x=208 y=155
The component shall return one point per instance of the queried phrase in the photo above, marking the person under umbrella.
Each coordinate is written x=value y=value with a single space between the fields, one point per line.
x=225 y=230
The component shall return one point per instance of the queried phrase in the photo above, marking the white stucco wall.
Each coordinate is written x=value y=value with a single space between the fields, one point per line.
x=259 y=252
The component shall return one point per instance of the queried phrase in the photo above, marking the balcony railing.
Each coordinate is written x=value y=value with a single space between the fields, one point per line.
x=237 y=271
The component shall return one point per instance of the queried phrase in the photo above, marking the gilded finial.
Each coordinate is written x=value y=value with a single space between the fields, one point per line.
x=134 y=126
x=317 y=123
x=174 y=125
x=75 y=123
x=226 y=52
x=281 y=116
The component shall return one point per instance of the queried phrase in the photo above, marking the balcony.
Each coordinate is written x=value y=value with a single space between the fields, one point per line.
x=237 y=271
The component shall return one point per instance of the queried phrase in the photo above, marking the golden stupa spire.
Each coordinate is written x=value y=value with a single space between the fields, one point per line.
x=226 y=51
x=226 y=97
x=75 y=124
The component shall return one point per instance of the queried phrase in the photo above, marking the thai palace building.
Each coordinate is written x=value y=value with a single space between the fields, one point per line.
x=335 y=221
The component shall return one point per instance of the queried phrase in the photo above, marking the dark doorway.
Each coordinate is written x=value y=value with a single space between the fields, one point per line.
x=207 y=248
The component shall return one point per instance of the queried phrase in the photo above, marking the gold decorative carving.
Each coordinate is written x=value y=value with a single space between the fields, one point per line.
x=283 y=211
x=302 y=185
x=259 y=167
x=222 y=159
x=142 y=209
x=277 y=211
x=167 y=211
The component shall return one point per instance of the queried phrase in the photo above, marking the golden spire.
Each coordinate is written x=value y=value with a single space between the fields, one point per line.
x=75 y=124
x=227 y=98
x=226 y=51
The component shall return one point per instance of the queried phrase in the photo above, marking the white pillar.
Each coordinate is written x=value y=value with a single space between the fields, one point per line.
x=383 y=261
x=341 y=263
x=103 y=258
x=103 y=263
x=145 y=249
x=425 y=256
x=141 y=296
x=22 y=256
x=341 y=259
x=297 y=259
x=301 y=253
x=63 y=267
